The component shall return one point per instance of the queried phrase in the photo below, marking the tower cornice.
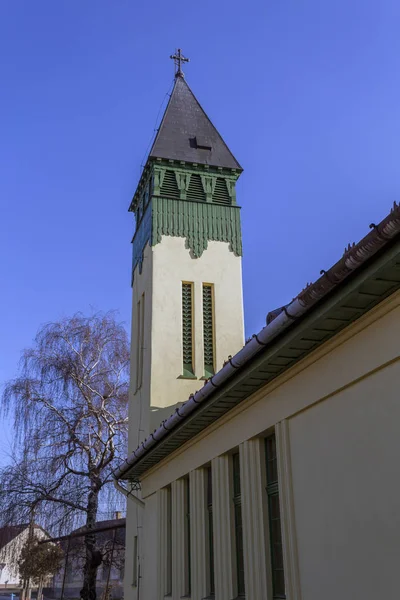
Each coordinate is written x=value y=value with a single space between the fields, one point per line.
x=179 y=166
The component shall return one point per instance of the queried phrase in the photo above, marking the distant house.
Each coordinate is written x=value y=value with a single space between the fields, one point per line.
x=110 y=540
x=12 y=539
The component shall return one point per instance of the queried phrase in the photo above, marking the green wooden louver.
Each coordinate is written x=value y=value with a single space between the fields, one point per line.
x=169 y=188
x=221 y=195
x=195 y=189
x=187 y=329
x=208 y=331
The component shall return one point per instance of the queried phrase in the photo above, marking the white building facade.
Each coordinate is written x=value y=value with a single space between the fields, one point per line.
x=277 y=477
x=12 y=540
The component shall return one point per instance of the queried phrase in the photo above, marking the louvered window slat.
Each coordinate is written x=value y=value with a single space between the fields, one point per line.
x=187 y=328
x=169 y=188
x=208 y=330
x=195 y=191
x=221 y=195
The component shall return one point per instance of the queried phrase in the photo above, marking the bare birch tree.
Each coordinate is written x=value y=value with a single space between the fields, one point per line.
x=69 y=406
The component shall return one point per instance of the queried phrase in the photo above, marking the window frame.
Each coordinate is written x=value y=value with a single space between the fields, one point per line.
x=238 y=525
x=188 y=553
x=140 y=315
x=135 y=561
x=168 y=549
x=210 y=533
x=187 y=368
x=275 y=531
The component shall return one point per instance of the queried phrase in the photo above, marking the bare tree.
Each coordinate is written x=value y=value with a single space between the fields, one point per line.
x=69 y=406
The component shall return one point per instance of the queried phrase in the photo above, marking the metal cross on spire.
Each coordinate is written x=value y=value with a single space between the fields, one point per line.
x=178 y=59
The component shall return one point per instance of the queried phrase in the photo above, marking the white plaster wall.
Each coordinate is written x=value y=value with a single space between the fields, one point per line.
x=149 y=567
x=9 y=556
x=164 y=268
x=139 y=413
x=9 y=575
x=172 y=264
x=345 y=453
x=343 y=408
x=134 y=527
x=364 y=346
x=140 y=398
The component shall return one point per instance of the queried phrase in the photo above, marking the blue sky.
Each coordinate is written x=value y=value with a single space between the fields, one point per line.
x=305 y=92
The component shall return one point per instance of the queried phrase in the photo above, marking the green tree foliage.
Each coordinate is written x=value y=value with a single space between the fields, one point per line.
x=39 y=561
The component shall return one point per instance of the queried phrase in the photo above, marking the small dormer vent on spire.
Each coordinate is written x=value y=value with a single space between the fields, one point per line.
x=201 y=142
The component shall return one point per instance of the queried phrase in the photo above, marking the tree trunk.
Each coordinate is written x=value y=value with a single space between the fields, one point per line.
x=40 y=589
x=23 y=591
x=30 y=540
x=92 y=556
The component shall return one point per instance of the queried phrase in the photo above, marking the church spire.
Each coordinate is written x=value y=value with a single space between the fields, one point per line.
x=188 y=184
x=187 y=134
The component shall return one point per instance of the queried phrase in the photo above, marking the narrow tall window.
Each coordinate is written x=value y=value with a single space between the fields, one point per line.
x=210 y=533
x=168 y=578
x=278 y=575
x=237 y=502
x=135 y=561
x=187 y=538
x=208 y=329
x=187 y=329
x=139 y=342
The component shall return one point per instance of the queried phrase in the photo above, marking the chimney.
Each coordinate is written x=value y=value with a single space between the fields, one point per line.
x=118 y=514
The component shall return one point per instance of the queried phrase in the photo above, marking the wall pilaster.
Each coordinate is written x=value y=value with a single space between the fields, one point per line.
x=164 y=584
x=254 y=518
x=198 y=530
x=179 y=571
x=286 y=505
x=225 y=582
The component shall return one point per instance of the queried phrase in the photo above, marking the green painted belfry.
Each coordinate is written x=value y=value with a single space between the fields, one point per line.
x=187 y=188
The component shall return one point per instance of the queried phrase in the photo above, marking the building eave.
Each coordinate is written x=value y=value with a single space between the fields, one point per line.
x=366 y=274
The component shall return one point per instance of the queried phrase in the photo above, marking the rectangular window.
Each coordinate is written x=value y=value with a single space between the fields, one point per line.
x=135 y=560
x=187 y=329
x=275 y=531
x=139 y=342
x=208 y=329
x=210 y=533
x=237 y=502
x=168 y=555
x=187 y=538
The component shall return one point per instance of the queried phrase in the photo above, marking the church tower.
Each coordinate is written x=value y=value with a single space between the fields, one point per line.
x=187 y=308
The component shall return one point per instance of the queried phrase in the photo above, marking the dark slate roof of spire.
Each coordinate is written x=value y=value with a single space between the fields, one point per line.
x=186 y=133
